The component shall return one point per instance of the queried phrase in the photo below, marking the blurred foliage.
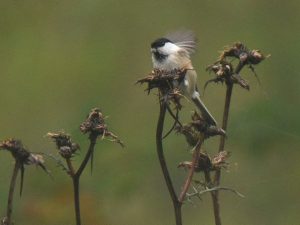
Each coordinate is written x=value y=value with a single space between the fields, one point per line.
x=61 y=58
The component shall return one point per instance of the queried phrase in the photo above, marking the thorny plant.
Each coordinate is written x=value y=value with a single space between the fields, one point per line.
x=198 y=130
x=22 y=157
x=95 y=127
x=195 y=132
x=226 y=72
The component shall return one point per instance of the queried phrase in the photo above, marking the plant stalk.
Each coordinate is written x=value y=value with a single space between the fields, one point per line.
x=191 y=171
x=159 y=147
x=76 y=176
x=217 y=177
x=215 y=194
x=8 y=219
x=76 y=200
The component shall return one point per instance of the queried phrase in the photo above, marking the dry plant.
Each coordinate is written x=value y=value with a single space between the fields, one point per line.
x=198 y=129
x=95 y=127
x=229 y=74
x=195 y=132
x=22 y=157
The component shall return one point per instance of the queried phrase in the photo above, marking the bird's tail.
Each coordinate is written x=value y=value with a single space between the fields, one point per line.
x=204 y=111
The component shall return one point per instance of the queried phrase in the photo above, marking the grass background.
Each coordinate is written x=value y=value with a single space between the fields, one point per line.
x=58 y=59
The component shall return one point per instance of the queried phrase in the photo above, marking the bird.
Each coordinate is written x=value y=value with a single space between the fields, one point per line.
x=174 y=51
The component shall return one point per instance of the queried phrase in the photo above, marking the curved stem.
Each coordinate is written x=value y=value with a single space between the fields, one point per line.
x=163 y=164
x=87 y=157
x=191 y=171
x=8 y=219
x=217 y=177
x=76 y=176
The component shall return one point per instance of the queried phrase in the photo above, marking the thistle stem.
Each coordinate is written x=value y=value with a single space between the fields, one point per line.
x=76 y=200
x=159 y=147
x=8 y=219
x=191 y=170
x=217 y=178
x=76 y=176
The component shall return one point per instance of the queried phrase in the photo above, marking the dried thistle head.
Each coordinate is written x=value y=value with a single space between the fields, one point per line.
x=95 y=126
x=241 y=52
x=226 y=72
x=15 y=147
x=197 y=128
x=255 y=57
x=66 y=147
x=94 y=123
x=204 y=163
x=222 y=69
x=219 y=160
x=21 y=154
x=164 y=81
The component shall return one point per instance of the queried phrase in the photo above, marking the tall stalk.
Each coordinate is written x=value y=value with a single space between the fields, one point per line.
x=8 y=219
x=160 y=152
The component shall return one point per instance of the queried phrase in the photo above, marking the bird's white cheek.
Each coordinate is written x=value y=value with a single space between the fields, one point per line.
x=170 y=48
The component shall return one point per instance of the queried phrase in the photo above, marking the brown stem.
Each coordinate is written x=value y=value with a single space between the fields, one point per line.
x=87 y=157
x=8 y=219
x=76 y=200
x=215 y=194
x=76 y=176
x=159 y=147
x=217 y=178
x=191 y=171
x=70 y=167
x=229 y=88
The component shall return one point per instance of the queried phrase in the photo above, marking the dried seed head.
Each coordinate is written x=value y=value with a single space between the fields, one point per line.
x=95 y=126
x=256 y=57
x=203 y=164
x=15 y=147
x=94 y=123
x=64 y=144
x=21 y=154
x=236 y=50
x=219 y=160
x=198 y=128
x=164 y=81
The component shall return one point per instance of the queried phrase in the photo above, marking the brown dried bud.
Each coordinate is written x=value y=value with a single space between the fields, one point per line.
x=95 y=126
x=255 y=57
x=64 y=144
x=203 y=164
x=21 y=154
x=16 y=148
x=94 y=123
x=219 y=160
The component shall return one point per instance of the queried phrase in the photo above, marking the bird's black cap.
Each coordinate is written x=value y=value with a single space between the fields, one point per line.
x=159 y=42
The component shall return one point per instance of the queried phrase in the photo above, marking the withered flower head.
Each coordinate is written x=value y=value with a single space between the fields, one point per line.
x=204 y=163
x=64 y=144
x=94 y=123
x=255 y=57
x=198 y=127
x=22 y=155
x=219 y=160
x=221 y=68
x=164 y=81
x=237 y=50
x=241 y=52
x=95 y=126
x=15 y=147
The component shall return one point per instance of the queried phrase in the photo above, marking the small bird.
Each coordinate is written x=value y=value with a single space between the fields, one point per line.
x=174 y=52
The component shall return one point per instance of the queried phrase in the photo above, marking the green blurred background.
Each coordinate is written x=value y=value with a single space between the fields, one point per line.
x=60 y=58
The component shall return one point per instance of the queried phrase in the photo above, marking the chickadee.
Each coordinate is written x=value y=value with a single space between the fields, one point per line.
x=173 y=52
